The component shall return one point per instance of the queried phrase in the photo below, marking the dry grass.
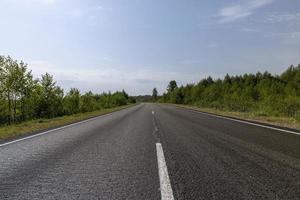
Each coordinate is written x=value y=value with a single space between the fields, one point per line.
x=287 y=122
x=16 y=130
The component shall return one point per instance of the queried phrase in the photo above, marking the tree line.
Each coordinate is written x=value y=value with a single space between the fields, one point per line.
x=261 y=93
x=24 y=98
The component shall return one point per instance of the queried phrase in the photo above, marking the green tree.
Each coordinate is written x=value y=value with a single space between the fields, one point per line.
x=23 y=98
x=154 y=94
x=72 y=102
x=262 y=93
x=118 y=99
x=15 y=86
x=172 y=86
x=89 y=102
x=50 y=102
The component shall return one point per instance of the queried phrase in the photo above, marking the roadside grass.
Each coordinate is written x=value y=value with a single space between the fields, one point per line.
x=24 y=128
x=287 y=122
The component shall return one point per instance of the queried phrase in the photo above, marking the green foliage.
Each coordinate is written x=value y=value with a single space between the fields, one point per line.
x=88 y=102
x=23 y=98
x=72 y=102
x=261 y=93
x=172 y=86
x=49 y=98
x=131 y=100
x=143 y=98
x=119 y=98
x=154 y=94
x=15 y=88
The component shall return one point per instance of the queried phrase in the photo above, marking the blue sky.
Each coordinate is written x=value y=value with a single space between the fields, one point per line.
x=102 y=45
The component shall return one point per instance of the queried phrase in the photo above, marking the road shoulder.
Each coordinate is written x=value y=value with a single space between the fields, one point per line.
x=245 y=117
x=26 y=129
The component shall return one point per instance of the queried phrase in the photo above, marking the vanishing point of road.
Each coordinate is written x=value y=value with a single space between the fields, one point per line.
x=153 y=151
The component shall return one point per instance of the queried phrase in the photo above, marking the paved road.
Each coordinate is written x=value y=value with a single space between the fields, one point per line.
x=117 y=157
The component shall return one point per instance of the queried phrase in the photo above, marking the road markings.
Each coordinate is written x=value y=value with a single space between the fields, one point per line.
x=56 y=129
x=246 y=122
x=153 y=112
x=165 y=185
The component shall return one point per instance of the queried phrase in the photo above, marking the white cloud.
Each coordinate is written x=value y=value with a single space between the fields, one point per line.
x=190 y=62
x=85 y=11
x=35 y=2
x=278 y=18
x=40 y=67
x=212 y=45
x=250 y=30
x=77 y=12
x=46 y=2
x=90 y=15
x=137 y=81
x=287 y=37
x=99 y=7
x=239 y=11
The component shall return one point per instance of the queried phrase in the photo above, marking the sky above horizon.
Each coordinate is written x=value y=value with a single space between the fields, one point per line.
x=136 y=45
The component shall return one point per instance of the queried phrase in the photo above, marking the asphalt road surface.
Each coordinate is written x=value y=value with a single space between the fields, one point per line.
x=153 y=152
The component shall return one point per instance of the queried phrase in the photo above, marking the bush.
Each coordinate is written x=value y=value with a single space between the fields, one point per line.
x=261 y=93
x=23 y=98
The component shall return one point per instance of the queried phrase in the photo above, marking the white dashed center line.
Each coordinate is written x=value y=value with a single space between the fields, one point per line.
x=165 y=185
